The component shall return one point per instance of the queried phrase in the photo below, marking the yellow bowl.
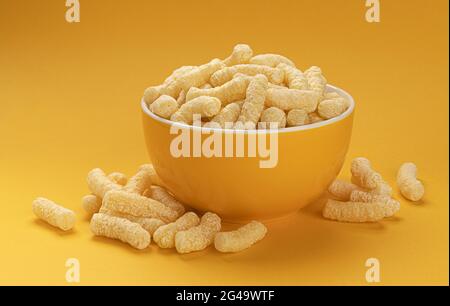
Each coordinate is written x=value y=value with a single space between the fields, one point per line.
x=238 y=188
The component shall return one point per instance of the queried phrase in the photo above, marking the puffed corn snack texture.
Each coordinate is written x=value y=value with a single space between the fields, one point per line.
x=138 y=210
x=368 y=198
x=212 y=90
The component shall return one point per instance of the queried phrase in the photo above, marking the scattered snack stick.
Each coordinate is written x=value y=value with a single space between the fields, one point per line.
x=164 y=106
x=118 y=177
x=199 y=237
x=152 y=93
x=288 y=99
x=205 y=106
x=227 y=93
x=242 y=53
x=224 y=75
x=54 y=214
x=316 y=80
x=391 y=206
x=273 y=116
x=271 y=60
x=410 y=187
x=354 y=211
x=240 y=239
x=100 y=184
x=138 y=206
x=254 y=102
x=342 y=190
x=162 y=195
x=183 y=79
x=368 y=199
x=199 y=75
x=331 y=108
x=363 y=175
x=177 y=74
x=297 y=117
x=228 y=114
x=294 y=78
x=180 y=101
x=92 y=203
x=141 y=181
x=164 y=236
x=383 y=188
x=121 y=229
x=168 y=87
x=149 y=224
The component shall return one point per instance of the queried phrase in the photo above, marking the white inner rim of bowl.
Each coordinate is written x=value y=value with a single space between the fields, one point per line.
x=329 y=88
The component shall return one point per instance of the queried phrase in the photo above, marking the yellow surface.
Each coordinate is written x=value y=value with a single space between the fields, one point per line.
x=69 y=96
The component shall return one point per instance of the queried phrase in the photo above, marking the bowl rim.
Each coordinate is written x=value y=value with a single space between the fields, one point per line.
x=329 y=88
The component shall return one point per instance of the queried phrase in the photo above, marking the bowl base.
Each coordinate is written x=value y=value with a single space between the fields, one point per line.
x=281 y=218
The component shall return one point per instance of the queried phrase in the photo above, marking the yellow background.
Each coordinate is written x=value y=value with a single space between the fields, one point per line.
x=69 y=101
